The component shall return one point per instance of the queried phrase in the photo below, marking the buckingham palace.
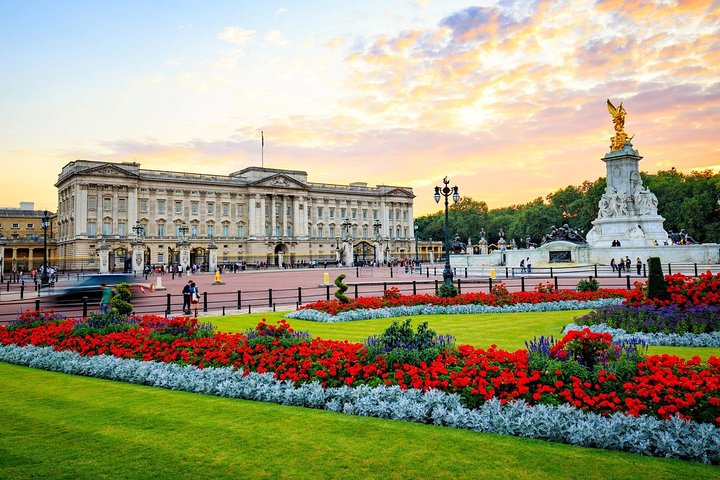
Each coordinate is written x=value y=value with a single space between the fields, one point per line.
x=124 y=215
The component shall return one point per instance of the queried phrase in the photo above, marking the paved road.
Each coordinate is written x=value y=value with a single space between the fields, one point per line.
x=290 y=287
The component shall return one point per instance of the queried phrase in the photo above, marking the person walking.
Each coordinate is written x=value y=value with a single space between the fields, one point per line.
x=528 y=265
x=187 y=294
x=613 y=265
x=638 y=264
x=628 y=264
x=105 y=300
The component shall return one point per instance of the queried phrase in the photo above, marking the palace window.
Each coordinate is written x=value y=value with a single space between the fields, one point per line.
x=226 y=230
x=320 y=212
x=211 y=230
x=178 y=206
x=194 y=207
x=107 y=204
x=121 y=229
x=91 y=229
x=161 y=229
x=332 y=213
x=194 y=231
x=30 y=226
x=226 y=210
x=107 y=228
x=240 y=231
x=92 y=203
x=365 y=232
x=122 y=204
x=143 y=205
x=354 y=213
x=161 y=207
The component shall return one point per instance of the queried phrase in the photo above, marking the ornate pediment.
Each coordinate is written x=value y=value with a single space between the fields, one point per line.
x=399 y=192
x=279 y=181
x=109 y=170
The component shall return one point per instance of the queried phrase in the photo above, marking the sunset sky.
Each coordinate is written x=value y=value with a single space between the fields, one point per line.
x=506 y=98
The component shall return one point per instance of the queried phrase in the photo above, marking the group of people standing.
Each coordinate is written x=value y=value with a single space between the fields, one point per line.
x=526 y=266
x=191 y=296
x=626 y=265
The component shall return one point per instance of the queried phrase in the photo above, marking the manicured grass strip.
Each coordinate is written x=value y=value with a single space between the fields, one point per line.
x=60 y=426
x=506 y=330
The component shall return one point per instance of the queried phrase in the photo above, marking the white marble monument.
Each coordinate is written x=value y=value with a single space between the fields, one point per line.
x=627 y=211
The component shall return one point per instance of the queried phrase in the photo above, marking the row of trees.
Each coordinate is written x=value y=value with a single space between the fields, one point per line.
x=686 y=201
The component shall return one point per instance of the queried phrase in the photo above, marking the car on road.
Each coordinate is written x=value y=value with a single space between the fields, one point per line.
x=91 y=286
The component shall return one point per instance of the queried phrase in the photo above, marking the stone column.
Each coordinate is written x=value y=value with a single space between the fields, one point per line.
x=348 y=253
x=284 y=216
x=31 y=260
x=212 y=257
x=104 y=258
x=138 y=256
x=296 y=217
x=379 y=252
x=261 y=218
x=183 y=248
x=80 y=207
x=273 y=217
x=252 y=214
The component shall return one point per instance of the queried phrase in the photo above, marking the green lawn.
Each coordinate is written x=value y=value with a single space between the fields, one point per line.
x=506 y=330
x=61 y=426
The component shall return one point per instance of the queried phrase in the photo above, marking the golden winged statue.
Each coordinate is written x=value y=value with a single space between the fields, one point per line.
x=618 y=114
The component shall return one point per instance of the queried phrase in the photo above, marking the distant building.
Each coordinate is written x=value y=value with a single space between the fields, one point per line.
x=253 y=215
x=22 y=238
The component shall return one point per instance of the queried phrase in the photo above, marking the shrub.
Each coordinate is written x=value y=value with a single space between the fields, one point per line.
x=342 y=288
x=120 y=302
x=400 y=344
x=104 y=323
x=657 y=286
x=447 y=291
x=588 y=285
x=167 y=330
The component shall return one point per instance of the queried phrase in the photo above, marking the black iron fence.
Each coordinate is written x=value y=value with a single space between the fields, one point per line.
x=248 y=301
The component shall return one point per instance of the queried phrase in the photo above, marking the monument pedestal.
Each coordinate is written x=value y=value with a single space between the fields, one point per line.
x=631 y=231
x=627 y=211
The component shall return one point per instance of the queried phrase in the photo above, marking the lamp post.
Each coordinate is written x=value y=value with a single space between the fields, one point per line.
x=138 y=229
x=45 y=278
x=346 y=228
x=183 y=229
x=417 y=257
x=447 y=192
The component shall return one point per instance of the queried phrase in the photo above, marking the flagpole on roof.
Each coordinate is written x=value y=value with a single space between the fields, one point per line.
x=262 y=148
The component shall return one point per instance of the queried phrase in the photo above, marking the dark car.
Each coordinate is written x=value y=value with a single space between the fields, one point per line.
x=91 y=287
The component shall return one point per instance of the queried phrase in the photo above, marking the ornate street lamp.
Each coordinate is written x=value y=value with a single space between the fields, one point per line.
x=183 y=229
x=45 y=223
x=376 y=229
x=447 y=192
x=346 y=228
x=138 y=229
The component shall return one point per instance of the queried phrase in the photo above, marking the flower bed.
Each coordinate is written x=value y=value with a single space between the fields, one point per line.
x=683 y=291
x=394 y=304
x=665 y=319
x=654 y=386
x=411 y=311
x=499 y=298
x=711 y=340
x=643 y=435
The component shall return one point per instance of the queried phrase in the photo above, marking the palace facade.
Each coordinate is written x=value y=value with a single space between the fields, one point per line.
x=253 y=215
